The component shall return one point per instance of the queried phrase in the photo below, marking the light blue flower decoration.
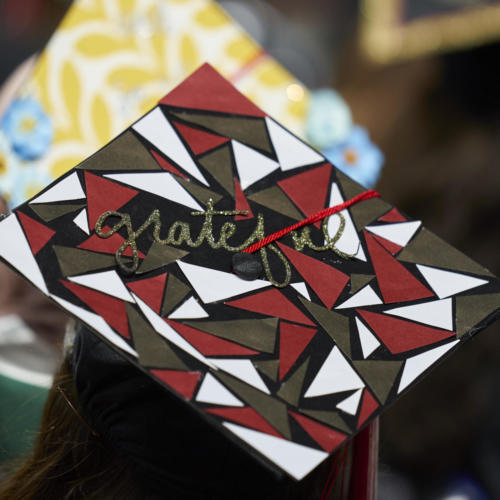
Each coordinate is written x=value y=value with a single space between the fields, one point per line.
x=357 y=157
x=27 y=128
x=328 y=120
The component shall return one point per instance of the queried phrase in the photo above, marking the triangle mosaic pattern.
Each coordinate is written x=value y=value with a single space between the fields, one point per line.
x=290 y=373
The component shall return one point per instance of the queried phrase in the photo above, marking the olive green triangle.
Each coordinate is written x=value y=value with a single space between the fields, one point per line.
x=379 y=376
x=218 y=163
x=200 y=193
x=259 y=334
x=274 y=411
x=50 y=212
x=153 y=351
x=349 y=187
x=335 y=324
x=291 y=390
x=160 y=255
x=428 y=249
x=276 y=200
x=470 y=310
x=269 y=368
x=251 y=131
x=328 y=417
x=176 y=291
x=358 y=281
x=74 y=261
x=126 y=152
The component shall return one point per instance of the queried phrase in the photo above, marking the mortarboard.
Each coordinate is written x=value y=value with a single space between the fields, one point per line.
x=291 y=352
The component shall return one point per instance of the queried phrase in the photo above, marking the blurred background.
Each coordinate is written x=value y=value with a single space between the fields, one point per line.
x=421 y=76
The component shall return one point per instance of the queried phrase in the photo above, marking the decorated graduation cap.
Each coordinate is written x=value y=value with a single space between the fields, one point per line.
x=198 y=246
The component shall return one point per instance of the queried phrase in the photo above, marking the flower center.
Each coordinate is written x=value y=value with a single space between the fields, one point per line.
x=350 y=156
x=27 y=124
x=3 y=164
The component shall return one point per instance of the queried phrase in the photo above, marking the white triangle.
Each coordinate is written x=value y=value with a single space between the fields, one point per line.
x=416 y=365
x=158 y=131
x=15 y=249
x=95 y=322
x=106 y=282
x=212 y=285
x=302 y=289
x=291 y=152
x=160 y=183
x=213 y=392
x=349 y=241
x=251 y=165
x=167 y=332
x=369 y=342
x=190 y=309
x=438 y=313
x=68 y=188
x=296 y=459
x=446 y=283
x=364 y=297
x=400 y=232
x=242 y=369
x=81 y=220
x=350 y=404
x=335 y=375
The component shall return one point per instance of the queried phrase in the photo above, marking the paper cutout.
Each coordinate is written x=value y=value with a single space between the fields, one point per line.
x=379 y=376
x=219 y=164
x=160 y=255
x=73 y=261
x=293 y=340
x=416 y=365
x=175 y=292
x=189 y=310
x=107 y=245
x=68 y=188
x=269 y=368
x=446 y=283
x=198 y=140
x=242 y=369
x=335 y=375
x=437 y=313
x=326 y=281
x=369 y=343
x=36 y=233
x=200 y=193
x=400 y=233
x=107 y=282
x=240 y=202
x=368 y=406
x=393 y=215
x=213 y=392
x=291 y=390
x=212 y=285
x=81 y=220
x=351 y=403
x=291 y=151
x=51 y=212
x=302 y=289
x=258 y=334
x=399 y=335
x=391 y=247
x=365 y=297
x=150 y=290
x=331 y=418
x=470 y=309
x=184 y=383
x=358 y=281
x=296 y=459
x=271 y=303
x=396 y=283
x=158 y=131
x=276 y=200
x=166 y=165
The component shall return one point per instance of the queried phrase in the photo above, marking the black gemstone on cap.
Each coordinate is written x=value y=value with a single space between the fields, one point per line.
x=247 y=266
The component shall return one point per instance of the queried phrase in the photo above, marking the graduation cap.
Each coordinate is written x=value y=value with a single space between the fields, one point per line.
x=290 y=353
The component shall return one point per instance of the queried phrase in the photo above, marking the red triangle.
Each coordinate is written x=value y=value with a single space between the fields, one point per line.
x=199 y=141
x=271 y=303
x=293 y=340
x=245 y=416
x=209 y=345
x=111 y=309
x=165 y=164
x=392 y=216
x=396 y=283
x=308 y=190
x=181 y=382
x=205 y=89
x=327 y=438
x=37 y=234
x=400 y=335
x=150 y=290
x=107 y=245
x=327 y=281
x=240 y=202
x=368 y=406
x=392 y=248
x=104 y=195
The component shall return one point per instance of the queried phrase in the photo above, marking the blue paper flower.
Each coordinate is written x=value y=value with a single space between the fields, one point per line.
x=328 y=120
x=357 y=157
x=27 y=128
